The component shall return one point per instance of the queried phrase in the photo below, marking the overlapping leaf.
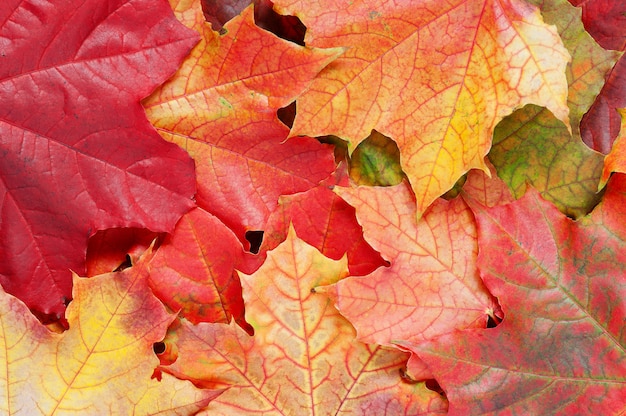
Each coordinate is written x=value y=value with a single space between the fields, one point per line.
x=605 y=20
x=193 y=272
x=562 y=286
x=103 y=364
x=78 y=154
x=434 y=77
x=325 y=221
x=532 y=147
x=487 y=190
x=303 y=358
x=601 y=125
x=615 y=161
x=221 y=108
x=590 y=63
x=117 y=248
x=432 y=286
x=376 y=162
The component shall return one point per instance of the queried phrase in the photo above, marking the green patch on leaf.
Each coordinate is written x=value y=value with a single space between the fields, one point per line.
x=376 y=162
x=532 y=147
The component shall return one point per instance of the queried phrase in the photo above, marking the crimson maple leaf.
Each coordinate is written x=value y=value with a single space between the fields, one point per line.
x=78 y=154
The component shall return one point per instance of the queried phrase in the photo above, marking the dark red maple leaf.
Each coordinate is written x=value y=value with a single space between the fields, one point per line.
x=605 y=20
x=601 y=125
x=78 y=154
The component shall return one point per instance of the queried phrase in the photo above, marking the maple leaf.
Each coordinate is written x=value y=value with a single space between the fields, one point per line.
x=303 y=358
x=78 y=154
x=221 y=108
x=434 y=78
x=325 y=221
x=532 y=147
x=432 y=286
x=562 y=286
x=193 y=272
x=103 y=364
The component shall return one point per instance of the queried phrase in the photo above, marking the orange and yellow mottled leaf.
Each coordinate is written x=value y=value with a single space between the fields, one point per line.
x=435 y=77
x=303 y=358
x=221 y=107
x=103 y=364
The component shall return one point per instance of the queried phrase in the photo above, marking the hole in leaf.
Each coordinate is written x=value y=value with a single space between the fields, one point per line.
x=406 y=377
x=494 y=317
x=159 y=347
x=255 y=238
x=491 y=323
x=287 y=114
x=128 y=262
x=456 y=189
x=289 y=28
x=434 y=386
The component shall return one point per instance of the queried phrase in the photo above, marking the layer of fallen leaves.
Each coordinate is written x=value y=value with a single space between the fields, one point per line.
x=289 y=208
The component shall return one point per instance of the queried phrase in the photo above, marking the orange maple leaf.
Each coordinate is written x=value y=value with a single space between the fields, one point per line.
x=221 y=107
x=103 y=364
x=303 y=358
x=432 y=286
x=435 y=77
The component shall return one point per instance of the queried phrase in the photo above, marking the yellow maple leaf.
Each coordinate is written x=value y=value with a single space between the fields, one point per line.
x=303 y=358
x=102 y=365
x=435 y=77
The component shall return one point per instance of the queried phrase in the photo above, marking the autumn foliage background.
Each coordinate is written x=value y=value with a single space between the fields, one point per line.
x=289 y=208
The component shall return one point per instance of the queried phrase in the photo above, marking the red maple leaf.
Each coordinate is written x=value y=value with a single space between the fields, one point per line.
x=78 y=154
x=562 y=287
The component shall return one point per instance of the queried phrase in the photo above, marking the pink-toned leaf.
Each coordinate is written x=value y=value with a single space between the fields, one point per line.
x=303 y=358
x=562 y=285
x=488 y=191
x=221 y=108
x=432 y=286
x=193 y=272
x=78 y=154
